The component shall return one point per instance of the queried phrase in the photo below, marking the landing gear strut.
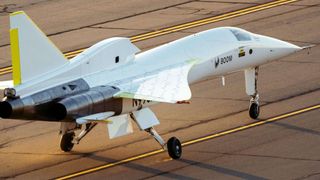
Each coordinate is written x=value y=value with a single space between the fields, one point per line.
x=173 y=146
x=68 y=136
x=251 y=76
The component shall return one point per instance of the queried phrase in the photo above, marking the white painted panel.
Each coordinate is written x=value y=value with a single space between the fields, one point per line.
x=146 y=118
x=250 y=81
x=120 y=126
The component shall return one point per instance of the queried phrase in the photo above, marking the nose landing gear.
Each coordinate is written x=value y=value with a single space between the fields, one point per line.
x=251 y=77
x=254 y=108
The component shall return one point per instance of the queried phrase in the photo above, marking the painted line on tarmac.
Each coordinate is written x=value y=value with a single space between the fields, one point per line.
x=184 y=26
x=190 y=142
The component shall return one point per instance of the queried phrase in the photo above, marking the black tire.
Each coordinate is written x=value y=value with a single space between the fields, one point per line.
x=254 y=110
x=66 y=144
x=174 y=148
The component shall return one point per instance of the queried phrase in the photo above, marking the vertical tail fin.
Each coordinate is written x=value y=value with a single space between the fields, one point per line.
x=33 y=54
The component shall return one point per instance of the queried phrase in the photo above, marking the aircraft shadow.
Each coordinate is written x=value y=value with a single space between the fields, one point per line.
x=157 y=172
x=296 y=128
x=135 y=166
x=222 y=170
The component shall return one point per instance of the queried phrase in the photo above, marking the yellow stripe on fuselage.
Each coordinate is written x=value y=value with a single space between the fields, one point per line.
x=15 y=54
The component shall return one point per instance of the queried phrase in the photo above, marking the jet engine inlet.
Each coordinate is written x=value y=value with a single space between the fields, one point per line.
x=63 y=104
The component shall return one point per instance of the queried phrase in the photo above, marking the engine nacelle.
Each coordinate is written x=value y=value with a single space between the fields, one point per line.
x=96 y=100
x=65 y=102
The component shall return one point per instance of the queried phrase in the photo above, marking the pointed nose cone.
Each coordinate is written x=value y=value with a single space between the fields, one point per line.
x=285 y=47
x=279 y=48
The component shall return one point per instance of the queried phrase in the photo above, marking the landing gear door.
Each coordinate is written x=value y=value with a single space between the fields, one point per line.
x=119 y=126
x=251 y=81
x=145 y=118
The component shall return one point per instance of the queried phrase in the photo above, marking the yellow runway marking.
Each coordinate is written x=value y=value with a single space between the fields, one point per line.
x=212 y=136
x=189 y=25
x=5 y=70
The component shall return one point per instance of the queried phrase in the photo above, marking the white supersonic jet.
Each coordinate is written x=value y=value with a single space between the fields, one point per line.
x=113 y=83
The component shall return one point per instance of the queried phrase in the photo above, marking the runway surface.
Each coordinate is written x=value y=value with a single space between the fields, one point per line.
x=285 y=149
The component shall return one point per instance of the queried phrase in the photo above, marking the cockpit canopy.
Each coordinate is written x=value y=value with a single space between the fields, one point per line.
x=241 y=35
x=227 y=34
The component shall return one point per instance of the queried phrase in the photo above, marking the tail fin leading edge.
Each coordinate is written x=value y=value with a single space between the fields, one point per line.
x=33 y=54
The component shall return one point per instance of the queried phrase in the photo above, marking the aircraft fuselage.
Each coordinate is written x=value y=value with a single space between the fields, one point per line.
x=216 y=52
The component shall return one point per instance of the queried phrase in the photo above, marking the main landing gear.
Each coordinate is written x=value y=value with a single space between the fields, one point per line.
x=144 y=118
x=251 y=77
x=146 y=123
x=173 y=145
x=174 y=148
x=66 y=141
x=68 y=136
